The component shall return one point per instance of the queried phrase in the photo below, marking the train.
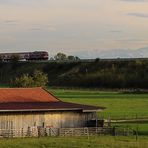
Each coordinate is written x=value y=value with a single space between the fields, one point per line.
x=25 y=56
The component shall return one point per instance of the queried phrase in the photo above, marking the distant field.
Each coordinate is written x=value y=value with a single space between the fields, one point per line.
x=118 y=105
x=76 y=142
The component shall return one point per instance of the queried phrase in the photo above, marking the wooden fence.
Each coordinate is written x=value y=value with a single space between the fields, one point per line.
x=84 y=131
x=42 y=132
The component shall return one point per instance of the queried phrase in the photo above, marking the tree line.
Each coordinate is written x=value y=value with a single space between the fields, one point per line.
x=63 y=57
x=98 y=74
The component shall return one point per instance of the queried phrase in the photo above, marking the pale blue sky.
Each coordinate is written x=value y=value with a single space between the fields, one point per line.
x=73 y=26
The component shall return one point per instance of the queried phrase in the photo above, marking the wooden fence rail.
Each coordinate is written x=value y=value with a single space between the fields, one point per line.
x=84 y=131
x=41 y=132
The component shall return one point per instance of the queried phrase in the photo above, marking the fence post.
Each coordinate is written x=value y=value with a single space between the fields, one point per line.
x=114 y=131
x=28 y=132
x=137 y=133
x=22 y=133
x=87 y=133
x=59 y=132
x=96 y=121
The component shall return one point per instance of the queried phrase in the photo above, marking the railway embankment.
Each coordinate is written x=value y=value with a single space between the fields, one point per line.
x=88 y=74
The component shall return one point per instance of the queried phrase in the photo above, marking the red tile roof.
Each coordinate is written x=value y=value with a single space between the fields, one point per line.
x=25 y=95
x=36 y=99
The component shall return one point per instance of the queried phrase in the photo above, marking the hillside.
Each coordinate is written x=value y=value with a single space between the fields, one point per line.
x=101 y=74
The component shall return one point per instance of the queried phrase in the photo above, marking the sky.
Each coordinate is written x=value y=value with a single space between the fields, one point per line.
x=73 y=26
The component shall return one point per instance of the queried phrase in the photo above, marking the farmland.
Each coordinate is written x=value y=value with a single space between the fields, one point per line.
x=118 y=105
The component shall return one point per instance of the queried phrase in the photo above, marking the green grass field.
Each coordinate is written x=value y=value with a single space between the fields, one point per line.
x=118 y=105
x=76 y=142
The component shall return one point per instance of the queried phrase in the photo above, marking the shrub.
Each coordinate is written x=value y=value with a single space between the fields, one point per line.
x=38 y=79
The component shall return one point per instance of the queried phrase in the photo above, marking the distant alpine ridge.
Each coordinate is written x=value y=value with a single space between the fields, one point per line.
x=117 y=53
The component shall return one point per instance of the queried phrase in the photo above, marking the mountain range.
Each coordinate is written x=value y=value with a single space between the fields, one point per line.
x=115 y=53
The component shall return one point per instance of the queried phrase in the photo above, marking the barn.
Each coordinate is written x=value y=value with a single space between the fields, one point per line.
x=21 y=108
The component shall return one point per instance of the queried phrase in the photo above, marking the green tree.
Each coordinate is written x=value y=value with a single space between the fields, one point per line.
x=24 y=81
x=60 y=56
x=38 y=79
x=77 y=58
x=73 y=58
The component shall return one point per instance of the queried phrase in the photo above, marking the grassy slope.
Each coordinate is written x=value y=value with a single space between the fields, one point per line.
x=76 y=142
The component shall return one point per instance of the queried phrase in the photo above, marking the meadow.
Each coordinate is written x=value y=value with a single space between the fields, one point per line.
x=118 y=105
x=76 y=142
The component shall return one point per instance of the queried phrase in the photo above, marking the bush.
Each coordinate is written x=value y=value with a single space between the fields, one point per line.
x=39 y=79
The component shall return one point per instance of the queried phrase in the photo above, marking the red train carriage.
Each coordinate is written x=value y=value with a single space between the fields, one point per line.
x=37 y=55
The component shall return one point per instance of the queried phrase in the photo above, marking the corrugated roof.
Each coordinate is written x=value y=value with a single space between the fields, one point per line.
x=25 y=95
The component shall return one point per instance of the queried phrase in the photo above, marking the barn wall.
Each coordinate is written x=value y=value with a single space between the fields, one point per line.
x=62 y=119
